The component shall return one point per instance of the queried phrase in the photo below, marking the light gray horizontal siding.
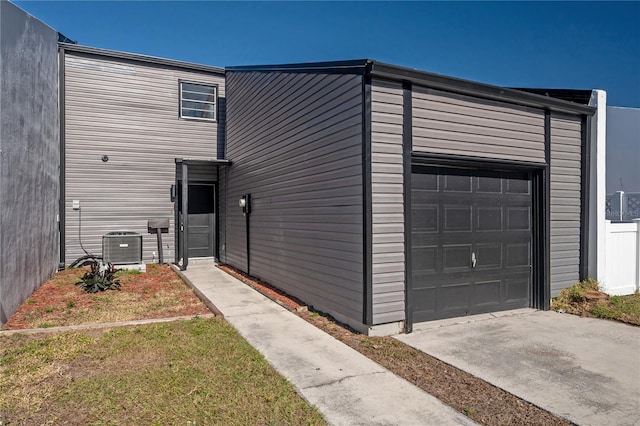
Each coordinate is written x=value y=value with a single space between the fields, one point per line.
x=388 y=287
x=129 y=111
x=446 y=123
x=295 y=141
x=565 y=201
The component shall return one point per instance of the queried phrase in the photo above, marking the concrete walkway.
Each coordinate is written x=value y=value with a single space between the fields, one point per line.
x=583 y=369
x=347 y=387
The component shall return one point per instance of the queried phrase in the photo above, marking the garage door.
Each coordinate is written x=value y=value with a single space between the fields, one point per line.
x=470 y=243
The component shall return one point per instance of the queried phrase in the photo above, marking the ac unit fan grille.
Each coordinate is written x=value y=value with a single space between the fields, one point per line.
x=122 y=248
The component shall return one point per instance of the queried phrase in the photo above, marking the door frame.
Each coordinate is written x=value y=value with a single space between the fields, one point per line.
x=181 y=222
x=214 y=185
x=183 y=178
x=540 y=201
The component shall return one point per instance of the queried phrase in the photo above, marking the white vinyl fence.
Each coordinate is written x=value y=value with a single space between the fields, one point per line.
x=622 y=206
x=622 y=258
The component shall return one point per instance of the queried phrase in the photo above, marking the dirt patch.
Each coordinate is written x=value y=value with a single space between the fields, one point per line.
x=466 y=393
x=586 y=300
x=157 y=293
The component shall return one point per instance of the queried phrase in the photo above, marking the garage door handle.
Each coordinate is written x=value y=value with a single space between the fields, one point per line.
x=473 y=260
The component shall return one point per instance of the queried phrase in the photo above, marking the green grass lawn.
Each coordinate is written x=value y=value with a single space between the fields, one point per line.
x=626 y=308
x=196 y=372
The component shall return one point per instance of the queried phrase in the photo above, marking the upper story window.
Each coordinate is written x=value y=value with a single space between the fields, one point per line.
x=198 y=101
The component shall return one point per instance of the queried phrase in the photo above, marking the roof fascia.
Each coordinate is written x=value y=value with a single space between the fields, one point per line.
x=472 y=88
x=356 y=66
x=140 y=58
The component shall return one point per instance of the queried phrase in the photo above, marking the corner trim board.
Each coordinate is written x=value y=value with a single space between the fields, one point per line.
x=184 y=226
x=63 y=191
x=367 y=311
x=407 y=146
x=585 y=176
x=216 y=200
x=545 y=298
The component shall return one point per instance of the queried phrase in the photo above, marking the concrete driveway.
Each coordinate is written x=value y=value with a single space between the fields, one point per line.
x=585 y=370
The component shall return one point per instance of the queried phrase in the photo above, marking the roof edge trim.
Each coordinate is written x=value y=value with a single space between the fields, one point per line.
x=140 y=58
x=211 y=162
x=356 y=66
x=482 y=90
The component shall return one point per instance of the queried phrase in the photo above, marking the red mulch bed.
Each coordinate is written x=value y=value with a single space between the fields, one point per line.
x=157 y=293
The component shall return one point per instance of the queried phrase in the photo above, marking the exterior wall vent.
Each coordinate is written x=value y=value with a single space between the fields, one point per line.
x=122 y=247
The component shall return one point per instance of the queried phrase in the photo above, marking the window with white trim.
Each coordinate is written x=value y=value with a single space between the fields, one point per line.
x=198 y=101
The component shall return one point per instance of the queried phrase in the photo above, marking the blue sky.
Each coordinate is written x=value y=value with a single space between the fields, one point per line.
x=580 y=45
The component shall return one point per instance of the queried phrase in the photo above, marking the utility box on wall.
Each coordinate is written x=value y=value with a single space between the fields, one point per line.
x=122 y=247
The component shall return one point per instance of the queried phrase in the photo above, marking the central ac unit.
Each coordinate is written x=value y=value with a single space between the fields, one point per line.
x=122 y=247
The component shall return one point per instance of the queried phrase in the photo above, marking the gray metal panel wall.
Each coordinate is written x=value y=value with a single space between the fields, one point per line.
x=295 y=141
x=29 y=156
x=565 y=201
x=199 y=173
x=128 y=110
x=387 y=202
x=447 y=123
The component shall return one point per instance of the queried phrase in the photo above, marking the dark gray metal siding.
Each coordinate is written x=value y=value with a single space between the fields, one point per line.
x=565 y=201
x=295 y=141
x=199 y=173
x=29 y=156
x=127 y=110
x=447 y=123
x=388 y=260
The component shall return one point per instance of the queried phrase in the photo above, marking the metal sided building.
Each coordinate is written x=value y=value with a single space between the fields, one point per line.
x=28 y=156
x=387 y=196
x=131 y=127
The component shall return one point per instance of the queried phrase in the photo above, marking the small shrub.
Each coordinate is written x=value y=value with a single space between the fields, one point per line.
x=49 y=309
x=71 y=304
x=99 y=280
x=601 y=310
x=576 y=293
x=590 y=284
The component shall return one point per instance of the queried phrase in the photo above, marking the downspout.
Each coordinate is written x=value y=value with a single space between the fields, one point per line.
x=246 y=215
x=176 y=219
